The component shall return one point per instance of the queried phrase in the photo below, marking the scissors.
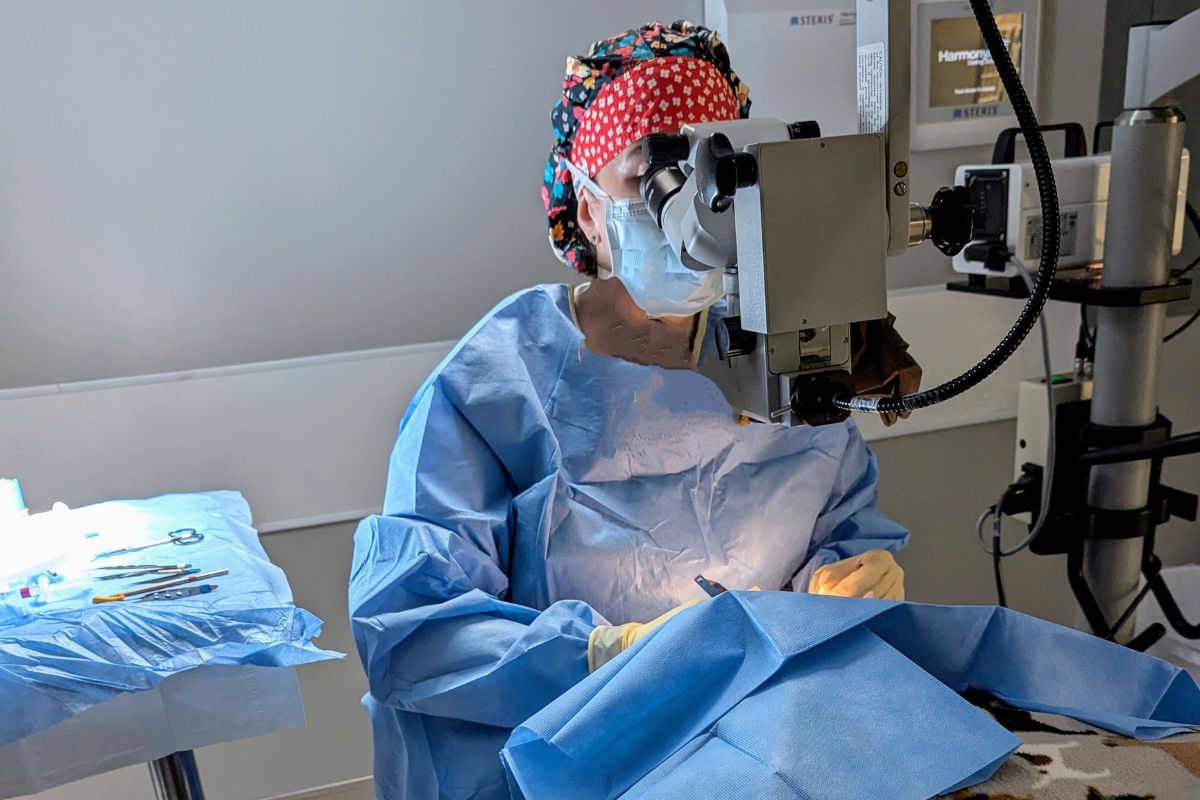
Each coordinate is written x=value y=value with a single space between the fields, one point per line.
x=180 y=536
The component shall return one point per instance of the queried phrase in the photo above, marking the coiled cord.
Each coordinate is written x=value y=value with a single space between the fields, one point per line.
x=1048 y=195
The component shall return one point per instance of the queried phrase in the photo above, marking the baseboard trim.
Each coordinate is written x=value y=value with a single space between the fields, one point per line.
x=357 y=789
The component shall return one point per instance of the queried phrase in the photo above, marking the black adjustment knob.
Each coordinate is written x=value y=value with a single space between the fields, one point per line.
x=813 y=396
x=808 y=129
x=747 y=170
x=952 y=219
x=721 y=171
x=666 y=148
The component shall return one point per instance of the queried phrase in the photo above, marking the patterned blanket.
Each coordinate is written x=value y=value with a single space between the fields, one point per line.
x=1063 y=759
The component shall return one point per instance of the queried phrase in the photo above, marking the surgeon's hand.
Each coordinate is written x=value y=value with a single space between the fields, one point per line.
x=606 y=642
x=875 y=573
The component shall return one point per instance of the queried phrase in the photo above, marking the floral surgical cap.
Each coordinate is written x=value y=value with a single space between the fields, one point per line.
x=586 y=79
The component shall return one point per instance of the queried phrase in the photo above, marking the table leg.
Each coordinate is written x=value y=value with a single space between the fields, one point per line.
x=176 y=777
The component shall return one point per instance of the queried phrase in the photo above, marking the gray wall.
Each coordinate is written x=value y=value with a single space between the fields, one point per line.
x=196 y=183
x=191 y=184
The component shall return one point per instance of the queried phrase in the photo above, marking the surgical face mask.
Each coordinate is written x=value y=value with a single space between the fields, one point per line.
x=644 y=261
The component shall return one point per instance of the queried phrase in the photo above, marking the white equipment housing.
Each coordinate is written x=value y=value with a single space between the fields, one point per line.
x=1006 y=199
x=1033 y=428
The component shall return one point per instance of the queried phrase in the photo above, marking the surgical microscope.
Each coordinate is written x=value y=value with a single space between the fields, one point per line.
x=802 y=225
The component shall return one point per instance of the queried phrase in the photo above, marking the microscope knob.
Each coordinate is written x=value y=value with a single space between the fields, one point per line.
x=805 y=129
x=721 y=171
x=952 y=218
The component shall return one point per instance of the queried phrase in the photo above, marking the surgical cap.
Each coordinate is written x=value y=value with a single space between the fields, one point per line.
x=689 y=81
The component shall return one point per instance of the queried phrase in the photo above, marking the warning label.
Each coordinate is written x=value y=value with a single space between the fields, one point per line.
x=872 y=88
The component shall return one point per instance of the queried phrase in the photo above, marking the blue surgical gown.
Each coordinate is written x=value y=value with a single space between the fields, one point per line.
x=538 y=490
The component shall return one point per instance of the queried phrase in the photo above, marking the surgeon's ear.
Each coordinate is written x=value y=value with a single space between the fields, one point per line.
x=590 y=216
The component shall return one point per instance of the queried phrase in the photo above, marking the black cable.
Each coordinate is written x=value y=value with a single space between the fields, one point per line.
x=996 y=552
x=1194 y=218
x=1187 y=324
x=1128 y=612
x=1042 y=168
x=997 y=513
x=1085 y=329
x=1191 y=266
x=1001 y=598
x=1083 y=347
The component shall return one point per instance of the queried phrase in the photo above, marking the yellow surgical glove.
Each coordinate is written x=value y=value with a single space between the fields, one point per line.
x=875 y=573
x=606 y=642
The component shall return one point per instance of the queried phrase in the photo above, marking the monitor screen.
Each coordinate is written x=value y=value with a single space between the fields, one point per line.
x=961 y=71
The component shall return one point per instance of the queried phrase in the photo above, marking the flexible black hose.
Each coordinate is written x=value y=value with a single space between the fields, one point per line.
x=1049 y=257
x=1186 y=324
x=1194 y=218
x=997 y=573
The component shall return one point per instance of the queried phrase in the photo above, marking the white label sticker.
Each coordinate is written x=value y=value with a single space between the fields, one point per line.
x=1068 y=226
x=872 y=88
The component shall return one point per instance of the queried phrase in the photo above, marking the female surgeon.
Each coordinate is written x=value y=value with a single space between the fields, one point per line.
x=565 y=474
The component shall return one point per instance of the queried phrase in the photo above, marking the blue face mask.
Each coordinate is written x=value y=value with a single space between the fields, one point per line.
x=645 y=262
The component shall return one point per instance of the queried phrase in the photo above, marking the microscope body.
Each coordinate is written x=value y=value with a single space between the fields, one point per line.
x=802 y=242
x=801 y=225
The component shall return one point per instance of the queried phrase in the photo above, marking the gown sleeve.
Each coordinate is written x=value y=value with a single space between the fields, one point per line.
x=430 y=575
x=850 y=524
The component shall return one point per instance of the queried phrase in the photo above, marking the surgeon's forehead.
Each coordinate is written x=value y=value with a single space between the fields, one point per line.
x=630 y=161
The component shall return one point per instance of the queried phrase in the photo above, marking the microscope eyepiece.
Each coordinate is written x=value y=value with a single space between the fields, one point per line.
x=660 y=149
x=658 y=185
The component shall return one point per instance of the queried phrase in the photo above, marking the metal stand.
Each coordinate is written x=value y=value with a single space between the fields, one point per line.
x=1147 y=145
x=176 y=777
x=1108 y=497
x=1074 y=524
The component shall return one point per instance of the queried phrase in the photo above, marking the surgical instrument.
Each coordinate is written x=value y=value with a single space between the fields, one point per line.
x=181 y=536
x=137 y=570
x=711 y=588
x=174 y=573
x=159 y=586
x=176 y=594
